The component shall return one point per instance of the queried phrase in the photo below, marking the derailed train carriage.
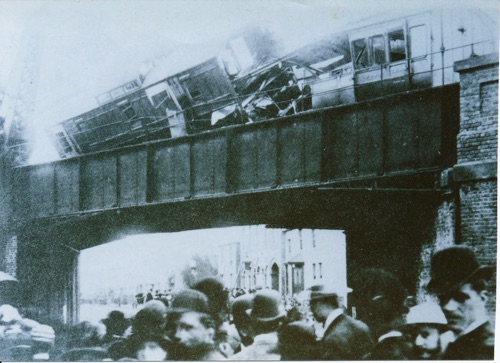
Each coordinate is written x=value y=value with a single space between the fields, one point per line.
x=137 y=112
x=374 y=59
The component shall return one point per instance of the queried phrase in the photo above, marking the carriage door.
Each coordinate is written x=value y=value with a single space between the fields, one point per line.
x=419 y=51
x=396 y=74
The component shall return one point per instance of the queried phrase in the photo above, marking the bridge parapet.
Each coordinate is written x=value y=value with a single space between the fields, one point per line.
x=404 y=135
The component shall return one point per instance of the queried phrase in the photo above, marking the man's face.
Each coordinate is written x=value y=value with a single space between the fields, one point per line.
x=462 y=307
x=426 y=341
x=191 y=333
x=315 y=307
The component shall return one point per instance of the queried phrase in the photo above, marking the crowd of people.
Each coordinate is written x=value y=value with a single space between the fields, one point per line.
x=205 y=322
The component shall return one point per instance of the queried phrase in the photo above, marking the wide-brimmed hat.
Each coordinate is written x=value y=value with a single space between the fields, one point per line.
x=426 y=313
x=190 y=300
x=321 y=291
x=267 y=306
x=454 y=266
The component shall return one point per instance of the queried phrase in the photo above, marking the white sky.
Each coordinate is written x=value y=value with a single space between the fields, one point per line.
x=147 y=258
x=89 y=47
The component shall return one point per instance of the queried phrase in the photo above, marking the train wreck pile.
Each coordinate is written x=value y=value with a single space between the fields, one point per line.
x=265 y=93
x=250 y=80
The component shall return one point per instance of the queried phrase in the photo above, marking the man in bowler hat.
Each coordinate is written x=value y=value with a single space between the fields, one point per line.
x=344 y=338
x=266 y=317
x=195 y=328
x=459 y=282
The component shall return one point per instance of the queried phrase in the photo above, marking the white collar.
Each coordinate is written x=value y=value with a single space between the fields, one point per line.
x=331 y=317
x=391 y=334
x=473 y=326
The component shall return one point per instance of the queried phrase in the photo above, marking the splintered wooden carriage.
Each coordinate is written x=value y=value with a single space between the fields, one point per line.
x=374 y=59
x=175 y=106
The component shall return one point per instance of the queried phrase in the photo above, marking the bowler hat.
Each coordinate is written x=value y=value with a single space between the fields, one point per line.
x=267 y=306
x=241 y=304
x=115 y=317
x=454 y=266
x=190 y=300
x=321 y=291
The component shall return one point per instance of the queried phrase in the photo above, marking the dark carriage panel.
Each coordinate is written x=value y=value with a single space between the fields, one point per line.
x=99 y=181
x=171 y=172
x=132 y=178
x=67 y=186
x=300 y=153
x=209 y=166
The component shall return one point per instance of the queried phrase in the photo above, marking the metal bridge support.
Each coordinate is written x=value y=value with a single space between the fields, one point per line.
x=48 y=277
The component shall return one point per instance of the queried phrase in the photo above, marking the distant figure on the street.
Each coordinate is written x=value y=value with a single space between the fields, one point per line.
x=149 y=295
x=379 y=298
x=344 y=338
x=266 y=315
x=426 y=327
x=459 y=282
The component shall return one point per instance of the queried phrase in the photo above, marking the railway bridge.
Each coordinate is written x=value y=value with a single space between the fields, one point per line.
x=401 y=175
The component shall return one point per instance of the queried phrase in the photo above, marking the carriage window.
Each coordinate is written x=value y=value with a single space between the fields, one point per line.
x=63 y=142
x=360 y=53
x=397 y=45
x=192 y=88
x=377 y=49
x=126 y=108
x=418 y=41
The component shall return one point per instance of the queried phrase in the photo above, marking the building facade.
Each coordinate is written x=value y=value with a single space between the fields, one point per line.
x=289 y=261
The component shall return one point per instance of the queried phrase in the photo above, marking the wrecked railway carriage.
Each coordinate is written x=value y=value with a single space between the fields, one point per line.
x=372 y=60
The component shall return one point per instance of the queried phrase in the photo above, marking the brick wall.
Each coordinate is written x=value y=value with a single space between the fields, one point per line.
x=442 y=235
x=469 y=215
x=477 y=148
x=477 y=140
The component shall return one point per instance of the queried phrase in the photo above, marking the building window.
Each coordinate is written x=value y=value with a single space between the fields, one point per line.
x=126 y=108
x=320 y=267
x=314 y=239
x=300 y=239
x=289 y=245
x=314 y=271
